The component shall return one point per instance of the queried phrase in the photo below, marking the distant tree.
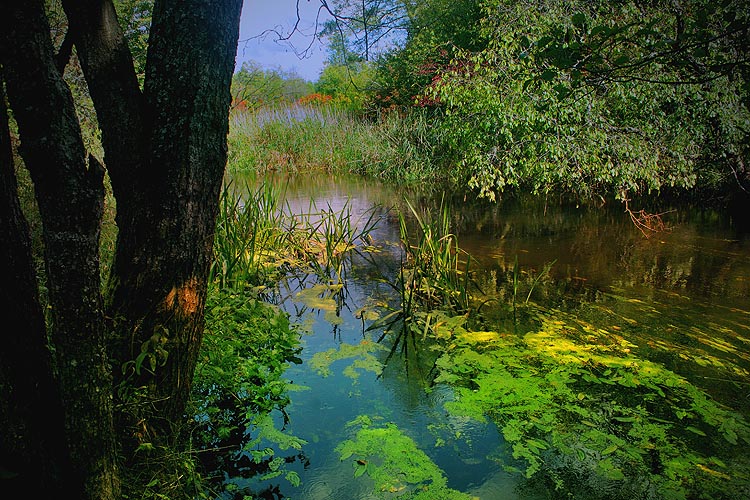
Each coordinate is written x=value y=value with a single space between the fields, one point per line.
x=254 y=86
x=435 y=32
x=113 y=369
x=359 y=29
x=348 y=84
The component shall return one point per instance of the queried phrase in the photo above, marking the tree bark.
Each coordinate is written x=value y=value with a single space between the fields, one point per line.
x=32 y=445
x=165 y=240
x=188 y=145
x=165 y=152
x=165 y=149
x=70 y=196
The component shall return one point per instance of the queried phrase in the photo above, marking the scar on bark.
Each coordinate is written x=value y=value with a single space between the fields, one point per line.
x=184 y=299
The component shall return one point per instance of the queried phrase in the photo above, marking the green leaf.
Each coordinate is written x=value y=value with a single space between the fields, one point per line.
x=293 y=478
x=695 y=430
x=609 y=450
x=548 y=75
x=624 y=419
x=615 y=474
x=579 y=19
x=359 y=468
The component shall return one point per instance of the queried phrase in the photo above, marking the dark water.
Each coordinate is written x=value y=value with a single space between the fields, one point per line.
x=680 y=296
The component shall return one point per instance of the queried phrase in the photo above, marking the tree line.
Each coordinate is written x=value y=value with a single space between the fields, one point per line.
x=590 y=99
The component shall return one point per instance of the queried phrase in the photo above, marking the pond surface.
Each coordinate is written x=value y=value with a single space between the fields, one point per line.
x=680 y=298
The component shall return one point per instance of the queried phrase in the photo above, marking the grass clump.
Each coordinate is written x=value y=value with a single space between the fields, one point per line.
x=259 y=238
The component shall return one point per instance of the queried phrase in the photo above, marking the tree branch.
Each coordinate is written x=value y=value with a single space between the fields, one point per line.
x=110 y=74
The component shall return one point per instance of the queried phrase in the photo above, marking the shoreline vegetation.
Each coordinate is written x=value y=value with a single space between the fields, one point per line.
x=410 y=149
x=584 y=411
x=571 y=106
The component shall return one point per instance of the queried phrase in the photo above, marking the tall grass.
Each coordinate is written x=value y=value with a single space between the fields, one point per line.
x=249 y=232
x=258 y=238
x=391 y=147
x=433 y=283
x=326 y=237
x=438 y=270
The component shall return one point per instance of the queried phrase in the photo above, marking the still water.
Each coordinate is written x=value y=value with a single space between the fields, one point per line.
x=680 y=297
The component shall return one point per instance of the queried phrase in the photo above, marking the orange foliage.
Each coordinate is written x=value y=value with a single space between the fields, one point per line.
x=315 y=98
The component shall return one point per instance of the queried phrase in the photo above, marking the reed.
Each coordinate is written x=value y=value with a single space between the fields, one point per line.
x=391 y=147
x=249 y=231
x=434 y=279
x=258 y=238
x=439 y=271
x=326 y=238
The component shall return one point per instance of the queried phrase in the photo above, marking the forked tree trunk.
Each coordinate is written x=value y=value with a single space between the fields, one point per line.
x=70 y=195
x=165 y=149
x=162 y=260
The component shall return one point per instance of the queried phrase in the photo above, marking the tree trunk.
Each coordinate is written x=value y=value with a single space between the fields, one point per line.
x=70 y=195
x=166 y=152
x=165 y=149
x=165 y=239
x=32 y=445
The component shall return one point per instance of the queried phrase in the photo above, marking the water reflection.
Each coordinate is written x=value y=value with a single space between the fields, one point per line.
x=679 y=297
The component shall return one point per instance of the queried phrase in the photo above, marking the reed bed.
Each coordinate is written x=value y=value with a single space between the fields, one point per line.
x=259 y=237
x=296 y=138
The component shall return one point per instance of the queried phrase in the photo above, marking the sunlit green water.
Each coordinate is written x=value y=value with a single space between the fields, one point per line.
x=678 y=298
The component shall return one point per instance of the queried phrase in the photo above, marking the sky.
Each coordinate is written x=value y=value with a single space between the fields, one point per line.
x=258 y=16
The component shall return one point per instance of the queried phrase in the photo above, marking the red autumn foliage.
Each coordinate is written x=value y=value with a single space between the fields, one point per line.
x=239 y=104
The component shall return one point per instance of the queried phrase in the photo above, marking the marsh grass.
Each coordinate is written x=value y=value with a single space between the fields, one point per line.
x=325 y=237
x=249 y=233
x=433 y=285
x=437 y=270
x=300 y=138
x=259 y=237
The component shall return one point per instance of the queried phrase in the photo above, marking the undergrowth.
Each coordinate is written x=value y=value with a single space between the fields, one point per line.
x=392 y=147
x=240 y=392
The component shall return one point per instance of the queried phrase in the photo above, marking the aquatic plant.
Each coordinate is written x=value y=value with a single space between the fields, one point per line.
x=239 y=392
x=325 y=238
x=258 y=238
x=394 y=462
x=362 y=356
x=433 y=283
x=437 y=270
x=249 y=235
x=593 y=420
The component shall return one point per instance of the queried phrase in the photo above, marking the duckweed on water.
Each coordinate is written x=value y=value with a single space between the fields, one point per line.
x=594 y=421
